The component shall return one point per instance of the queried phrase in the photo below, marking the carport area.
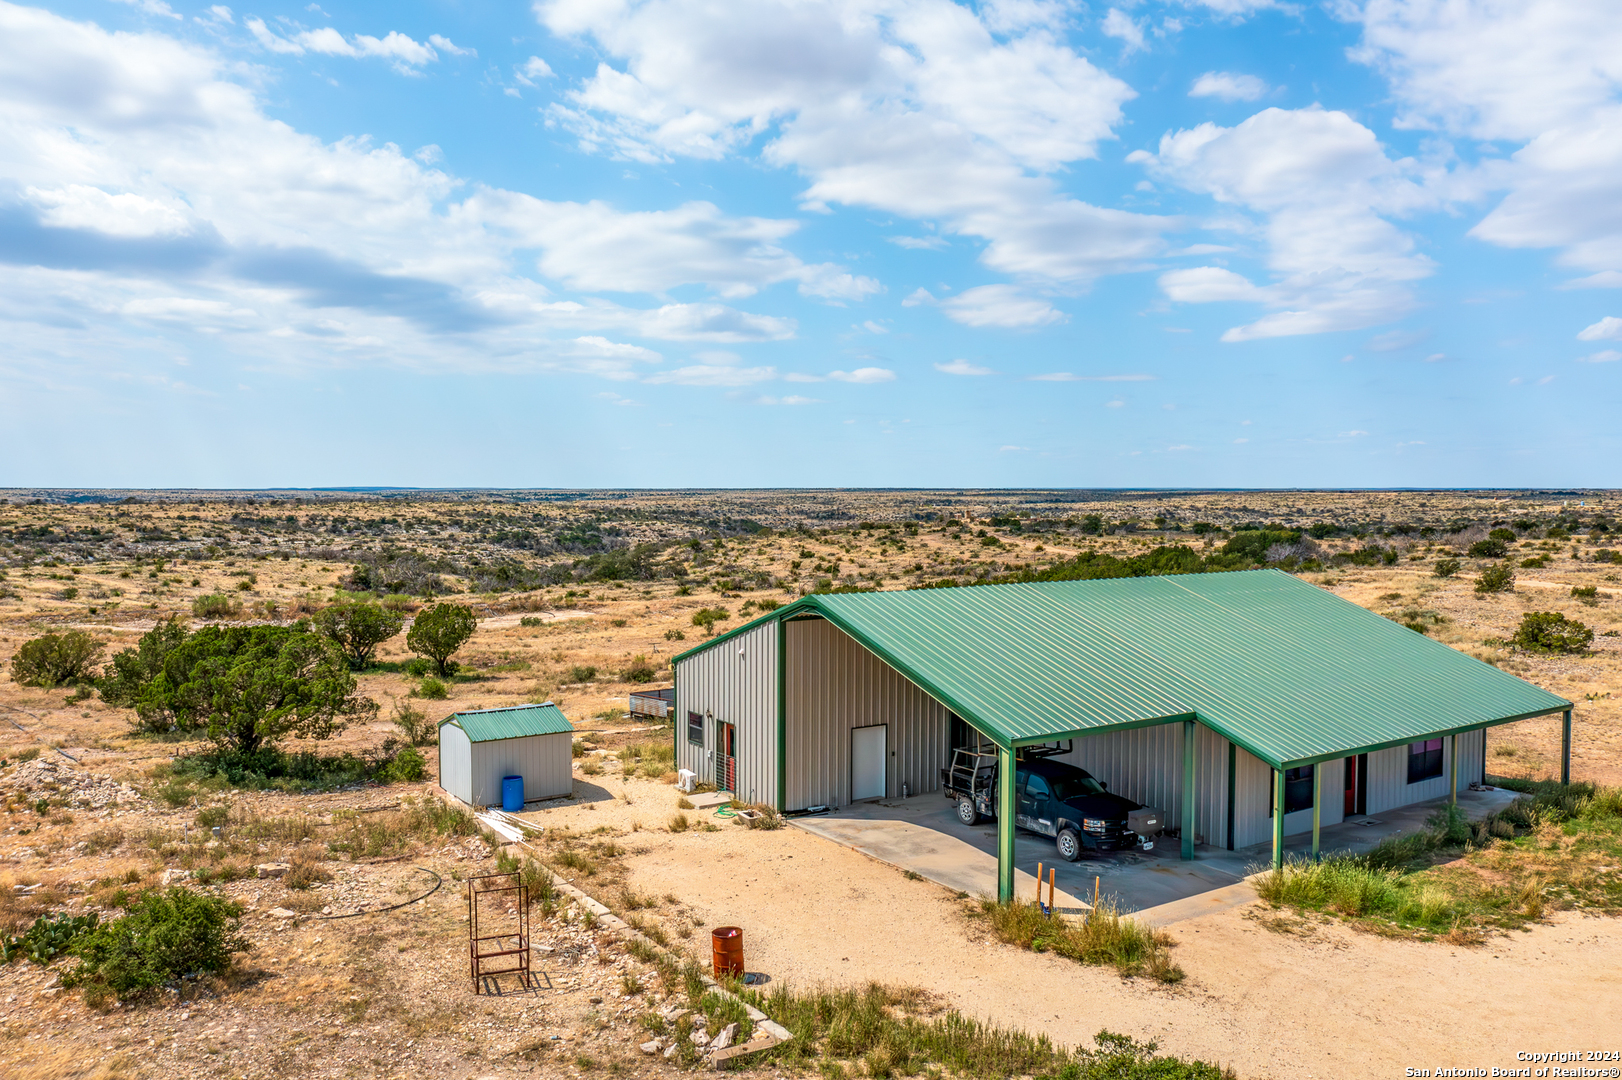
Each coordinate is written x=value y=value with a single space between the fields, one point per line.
x=922 y=835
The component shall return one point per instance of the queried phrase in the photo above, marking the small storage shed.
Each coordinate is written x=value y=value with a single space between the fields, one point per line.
x=479 y=747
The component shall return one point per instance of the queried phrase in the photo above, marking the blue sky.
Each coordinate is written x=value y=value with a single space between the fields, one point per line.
x=1212 y=243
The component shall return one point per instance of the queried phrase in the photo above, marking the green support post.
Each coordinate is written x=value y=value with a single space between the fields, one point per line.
x=1453 y=769
x=782 y=715
x=1317 y=800
x=1005 y=825
x=1187 y=817
x=1565 y=747
x=1278 y=819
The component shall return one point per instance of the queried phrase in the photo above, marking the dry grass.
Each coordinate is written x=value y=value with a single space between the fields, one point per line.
x=1105 y=936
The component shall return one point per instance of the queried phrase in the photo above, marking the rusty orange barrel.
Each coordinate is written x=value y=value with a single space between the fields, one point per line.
x=727 y=945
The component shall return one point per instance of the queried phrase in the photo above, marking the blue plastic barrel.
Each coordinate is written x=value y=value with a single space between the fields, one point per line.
x=512 y=794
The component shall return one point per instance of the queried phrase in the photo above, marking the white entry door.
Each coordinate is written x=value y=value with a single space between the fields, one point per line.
x=868 y=751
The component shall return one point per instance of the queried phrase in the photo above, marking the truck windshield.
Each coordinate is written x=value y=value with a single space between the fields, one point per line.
x=1071 y=787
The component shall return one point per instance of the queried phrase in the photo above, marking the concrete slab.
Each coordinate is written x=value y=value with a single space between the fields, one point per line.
x=923 y=835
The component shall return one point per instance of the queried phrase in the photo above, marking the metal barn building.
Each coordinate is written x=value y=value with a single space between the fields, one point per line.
x=479 y=747
x=1214 y=696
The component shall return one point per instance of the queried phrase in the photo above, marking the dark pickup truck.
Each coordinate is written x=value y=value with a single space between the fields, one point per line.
x=1053 y=799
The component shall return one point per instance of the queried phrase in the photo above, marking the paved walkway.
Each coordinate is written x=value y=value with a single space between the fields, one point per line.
x=923 y=835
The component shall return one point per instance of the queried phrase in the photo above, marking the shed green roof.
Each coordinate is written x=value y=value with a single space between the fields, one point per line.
x=515 y=722
x=1289 y=671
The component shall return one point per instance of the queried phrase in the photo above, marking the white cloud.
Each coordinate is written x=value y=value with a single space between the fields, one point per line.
x=1544 y=75
x=1324 y=186
x=1238 y=442
x=444 y=44
x=1228 y=86
x=963 y=367
x=533 y=68
x=1604 y=356
x=78 y=206
x=865 y=375
x=791 y=399
x=1607 y=329
x=1352 y=434
x=1065 y=376
x=1118 y=24
x=1012 y=449
x=1000 y=306
x=154 y=7
x=161 y=197
x=918 y=296
x=919 y=243
x=713 y=375
x=1116 y=404
x=407 y=52
x=916 y=109
x=594 y=246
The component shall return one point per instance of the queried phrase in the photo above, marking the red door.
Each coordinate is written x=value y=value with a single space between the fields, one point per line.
x=1351 y=786
x=727 y=752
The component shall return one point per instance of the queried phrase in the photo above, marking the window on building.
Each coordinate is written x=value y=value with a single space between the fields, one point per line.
x=1424 y=760
x=695 y=728
x=1297 y=790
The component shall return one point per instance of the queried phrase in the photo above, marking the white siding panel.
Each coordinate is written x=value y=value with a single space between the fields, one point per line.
x=542 y=760
x=1146 y=766
x=735 y=682
x=455 y=762
x=834 y=685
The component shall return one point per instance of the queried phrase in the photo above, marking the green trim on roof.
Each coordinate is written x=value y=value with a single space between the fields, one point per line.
x=515 y=722
x=1290 y=672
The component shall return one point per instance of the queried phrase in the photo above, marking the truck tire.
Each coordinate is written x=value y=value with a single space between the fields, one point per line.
x=966 y=813
x=1069 y=845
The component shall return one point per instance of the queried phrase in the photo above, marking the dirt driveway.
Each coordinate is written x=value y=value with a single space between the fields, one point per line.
x=1328 y=1003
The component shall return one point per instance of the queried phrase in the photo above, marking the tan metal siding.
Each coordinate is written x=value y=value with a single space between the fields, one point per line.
x=735 y=682
x=544 y=761
x=835 y=685
x=1388 y=774
x=1252 y=822
x=1146 y=766
x=455 y=762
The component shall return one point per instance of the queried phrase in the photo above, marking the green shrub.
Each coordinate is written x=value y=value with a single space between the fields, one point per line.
x=414 y=723
x=1500 y=577
x=1506 y=535
x=358 y=628
x=1551 y=631
x=1585 y=592
x=216 y=606
x=164 y=936
x=1446 y=568
x=439 y=631
x=675 y=635
x=582 y=673
x=1537 y=562
x=640 y=670
x=708 y=617
x=433 y=689
x=210 y=816
x=1488 y=549
x=531 y=620
x=53 y=660
x=406 y=767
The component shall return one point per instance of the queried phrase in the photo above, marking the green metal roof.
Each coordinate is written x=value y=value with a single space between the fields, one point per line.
x=1289 y=671
x=488 y=725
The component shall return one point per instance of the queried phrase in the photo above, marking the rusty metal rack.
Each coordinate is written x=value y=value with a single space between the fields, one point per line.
x=493 y=933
